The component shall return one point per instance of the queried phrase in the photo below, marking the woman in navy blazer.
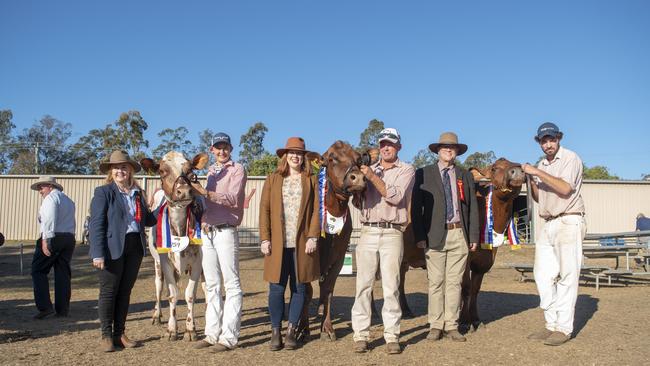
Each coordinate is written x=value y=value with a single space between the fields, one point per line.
x=118 y=216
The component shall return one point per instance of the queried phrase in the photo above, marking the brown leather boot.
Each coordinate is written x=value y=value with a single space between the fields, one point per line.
x=290 y=340
x=106 y=345
x=124 y=341
x=276 y=339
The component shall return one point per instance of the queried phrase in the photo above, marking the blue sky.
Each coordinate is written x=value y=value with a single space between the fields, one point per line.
x=491 y=71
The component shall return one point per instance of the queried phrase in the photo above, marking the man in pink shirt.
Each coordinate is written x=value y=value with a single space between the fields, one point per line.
x=223 y=213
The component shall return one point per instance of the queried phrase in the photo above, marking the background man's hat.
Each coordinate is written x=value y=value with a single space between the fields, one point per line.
x=448 y=138
x=293 y=144
x=219 y=138
x=46 y=180
x=119 y=157
x=547 y=129
x=389 y=134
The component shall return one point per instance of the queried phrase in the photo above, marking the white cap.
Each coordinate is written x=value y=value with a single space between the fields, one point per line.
x=389 y=134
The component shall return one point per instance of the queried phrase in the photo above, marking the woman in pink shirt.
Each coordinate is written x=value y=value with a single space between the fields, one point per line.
x=223 y=213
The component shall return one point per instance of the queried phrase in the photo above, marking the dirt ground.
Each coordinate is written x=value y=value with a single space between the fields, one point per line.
x=612 y=325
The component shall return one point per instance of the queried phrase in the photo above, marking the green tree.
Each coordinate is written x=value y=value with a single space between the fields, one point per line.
x=252 y=145
x=368 y=137
x=128 y=134
x=263 y=166
x=597 y=172
x=479 y=160
x=46 y=142
x=90 y=150
x=6 y=129
x=173 y=140
x=423 y=158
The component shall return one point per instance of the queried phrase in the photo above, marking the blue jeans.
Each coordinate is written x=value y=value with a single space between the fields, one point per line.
x=276 y=292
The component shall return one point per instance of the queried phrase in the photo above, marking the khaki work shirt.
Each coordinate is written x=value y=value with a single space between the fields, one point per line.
x=393 y=208
x=567 y=166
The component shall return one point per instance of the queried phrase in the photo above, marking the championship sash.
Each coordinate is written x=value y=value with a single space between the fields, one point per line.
x=490 y=238
x=329 y=224
x=166 y=242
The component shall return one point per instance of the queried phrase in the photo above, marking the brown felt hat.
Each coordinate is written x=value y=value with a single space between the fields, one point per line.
x=448 y=138
x=119 y=157
x=46 y=180
x=293 y=144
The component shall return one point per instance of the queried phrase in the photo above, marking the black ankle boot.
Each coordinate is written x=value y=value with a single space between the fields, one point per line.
x=276 y=339
x=290 y=340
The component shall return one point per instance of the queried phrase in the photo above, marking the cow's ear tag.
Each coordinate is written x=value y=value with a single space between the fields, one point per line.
x=179 y=243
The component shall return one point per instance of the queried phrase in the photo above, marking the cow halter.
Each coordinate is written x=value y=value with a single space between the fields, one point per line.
x=189 y=179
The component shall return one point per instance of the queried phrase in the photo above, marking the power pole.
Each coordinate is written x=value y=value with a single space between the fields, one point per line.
x=36 y=158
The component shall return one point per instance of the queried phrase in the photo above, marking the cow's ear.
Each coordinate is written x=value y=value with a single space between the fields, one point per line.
x=480 y=174
x=314 y=157
x=200 y=161
x=324 y=158
x=374 y=155
x=149 y=166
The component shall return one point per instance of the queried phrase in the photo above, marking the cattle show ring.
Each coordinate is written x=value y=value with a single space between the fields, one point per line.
x=611 y=317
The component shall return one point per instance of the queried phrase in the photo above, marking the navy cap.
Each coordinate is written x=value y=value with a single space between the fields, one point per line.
x=219 y=138
x=548 y=129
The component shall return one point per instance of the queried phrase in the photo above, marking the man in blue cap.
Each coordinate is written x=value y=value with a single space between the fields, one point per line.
x=556 y=184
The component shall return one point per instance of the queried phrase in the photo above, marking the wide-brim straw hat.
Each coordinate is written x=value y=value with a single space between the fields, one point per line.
x=448 y=138
x=119 y=157
x=293 y=144
x=46 y=180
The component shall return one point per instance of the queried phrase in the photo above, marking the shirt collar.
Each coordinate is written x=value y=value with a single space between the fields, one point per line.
x=228 y=163
x=441 y=167
x=377 y=165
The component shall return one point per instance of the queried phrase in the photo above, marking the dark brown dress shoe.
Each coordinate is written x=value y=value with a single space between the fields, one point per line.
x=44 y=314
x=125 y=342
x=276 y=339
x=107 y=345
x=290 y=341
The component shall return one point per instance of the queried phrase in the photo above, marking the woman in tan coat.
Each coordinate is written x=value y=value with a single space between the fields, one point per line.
x=289 y=229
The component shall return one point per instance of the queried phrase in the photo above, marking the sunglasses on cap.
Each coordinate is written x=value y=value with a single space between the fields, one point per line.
x=391 y=136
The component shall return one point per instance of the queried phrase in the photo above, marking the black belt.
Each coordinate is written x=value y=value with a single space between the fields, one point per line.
x=217 y=227
x=455 y=225
x=549 y=218
x=64 y=234
x=384 y=225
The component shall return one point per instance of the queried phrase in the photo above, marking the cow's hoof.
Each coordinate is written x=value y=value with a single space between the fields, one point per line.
x=477 y=326
x=303 y=336
x=190 y=336
x=156 y=320
x=327 y=336
x=171 y=336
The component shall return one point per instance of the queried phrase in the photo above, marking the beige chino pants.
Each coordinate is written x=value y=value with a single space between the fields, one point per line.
x=383 y=248
x=445 y=268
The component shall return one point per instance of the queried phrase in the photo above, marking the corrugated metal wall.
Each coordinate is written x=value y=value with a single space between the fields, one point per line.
x=612 y=206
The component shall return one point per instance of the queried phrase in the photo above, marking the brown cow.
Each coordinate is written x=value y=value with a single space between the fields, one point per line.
x=180 y=188
x=506 y=179
x=344 y=180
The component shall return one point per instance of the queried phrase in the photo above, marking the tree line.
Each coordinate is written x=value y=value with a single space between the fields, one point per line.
x=45 y=147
